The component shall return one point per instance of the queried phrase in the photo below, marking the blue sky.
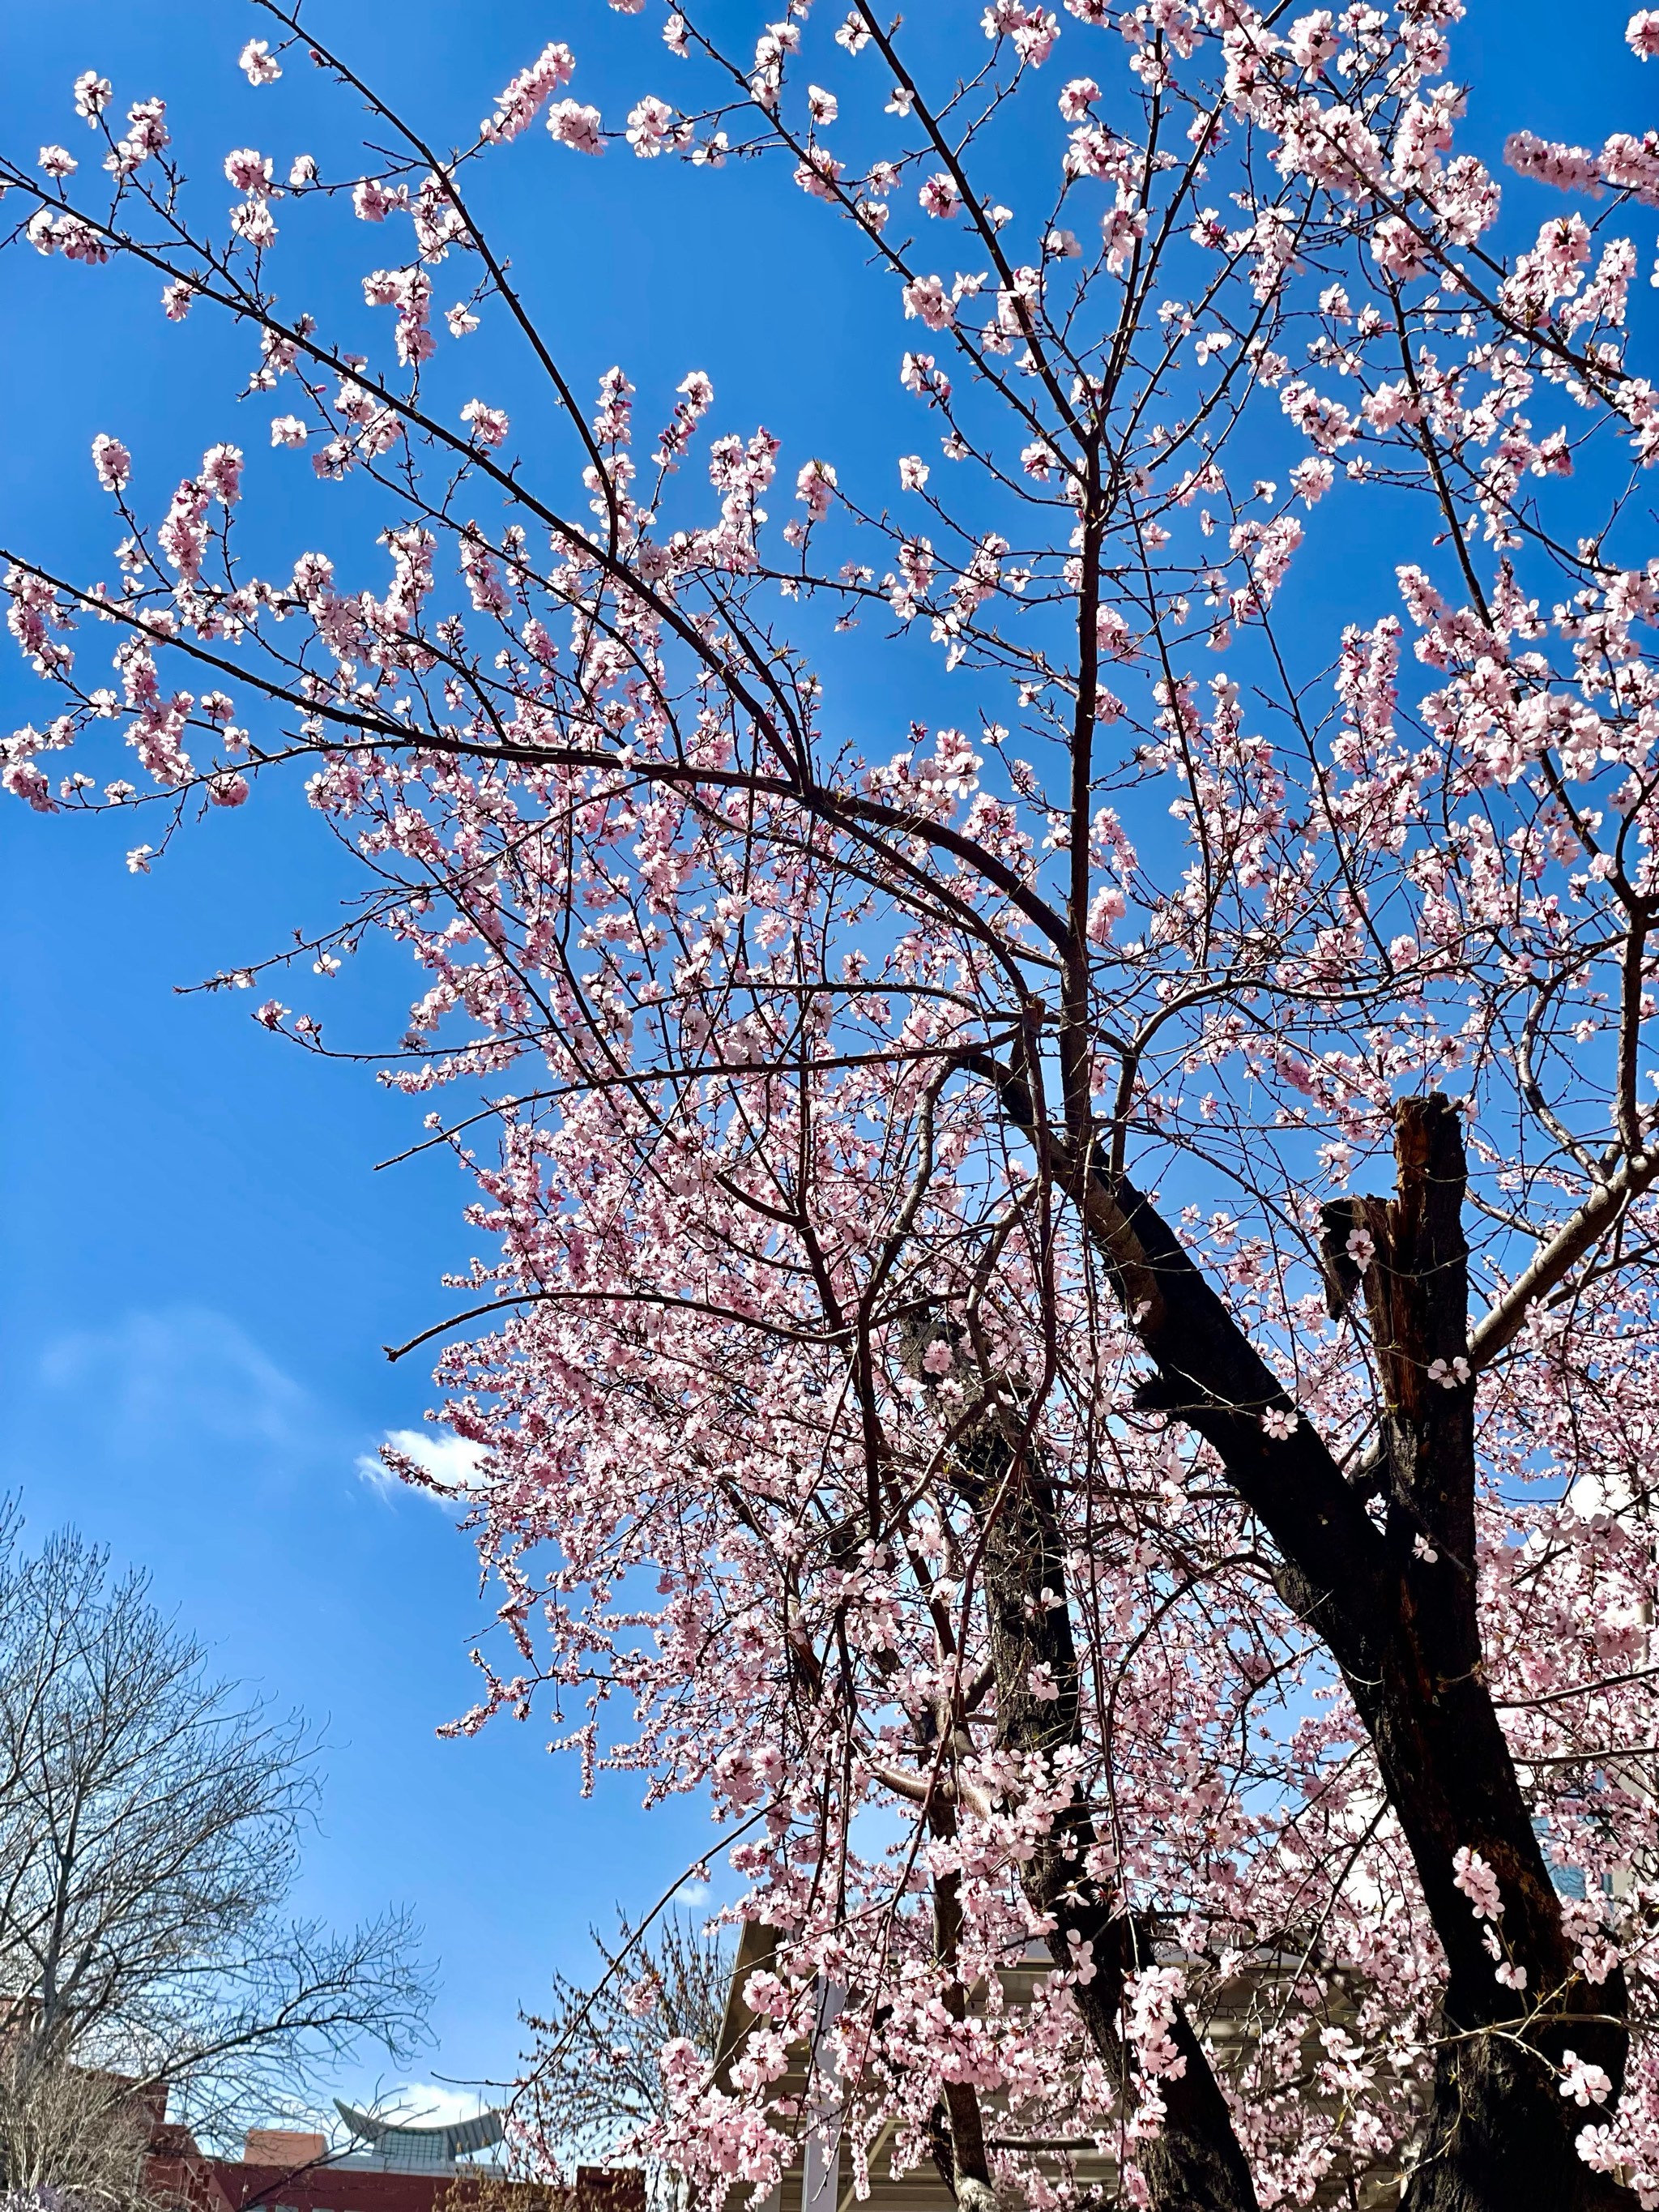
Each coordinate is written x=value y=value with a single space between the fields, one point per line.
x=200 y=1262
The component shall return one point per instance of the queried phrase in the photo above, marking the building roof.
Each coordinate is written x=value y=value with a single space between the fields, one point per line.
x=397 y=2147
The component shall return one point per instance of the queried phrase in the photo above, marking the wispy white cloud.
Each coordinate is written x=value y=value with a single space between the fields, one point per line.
x=451 y=1463
x=188 y=1379
x=157 y=1378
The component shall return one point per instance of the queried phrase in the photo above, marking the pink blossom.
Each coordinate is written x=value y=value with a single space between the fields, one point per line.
x=1312 y=39
x=146 y=135
x=1332 y=146
x=1152 y=1995
x=409 y=291
x=1122 y=229
x=519 y=102
x=916 y=561
x=370 y=200
x=222 y=473
x=249 y=171
x=819 y=174
x=734 y=1778
x=920 y=372
x=926 y=298
x=67 y=234
x=1326 y=422
x=489 y=424
x=258 y=63
x=1601 y=2149
x=816 y=485
x=24 y=780
x=482 y=575
x=1471 y=1873
x=1032 y=30
x=1113 y=636
x=1095 y=151
x=1469 y=199
x=1570 y=168
x=1401 y=250
x=253 y=221
x=1629 y=164
x=1107 y=907
x=57 y=162
x=1393 y=402
x=112 y=462
x=183 y=533
x=1584 y=2082
x=575 y=126
x=1642 y=33
x=92 y=94
x=650 y=127
x=313 y=575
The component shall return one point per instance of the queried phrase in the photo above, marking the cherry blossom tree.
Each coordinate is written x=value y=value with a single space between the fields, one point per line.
x=1066 y=1320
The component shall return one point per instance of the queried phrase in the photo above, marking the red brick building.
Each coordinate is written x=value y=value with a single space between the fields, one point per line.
x=283 y=2170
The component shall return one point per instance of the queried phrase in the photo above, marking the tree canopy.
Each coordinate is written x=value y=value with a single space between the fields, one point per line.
x=1064 y=1315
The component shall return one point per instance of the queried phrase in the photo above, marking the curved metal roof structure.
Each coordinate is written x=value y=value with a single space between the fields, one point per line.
x=403 y=2149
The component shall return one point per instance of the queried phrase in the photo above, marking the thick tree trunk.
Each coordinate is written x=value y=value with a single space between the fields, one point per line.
x=1500 y=2137
x=1499 y=2131
x=1402 y=1627
x=1196 y=2163
x=1496 y=2142
x=1397 y=1609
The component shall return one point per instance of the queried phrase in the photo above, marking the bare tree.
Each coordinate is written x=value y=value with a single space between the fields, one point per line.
x=72 y=2133
x=150 y=1824
x=597 y=2081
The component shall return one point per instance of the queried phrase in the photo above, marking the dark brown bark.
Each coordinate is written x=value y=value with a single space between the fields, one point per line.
x=1195 y=2164
x=960 y=2155
x=1403 y=1627
x=1498 y=2131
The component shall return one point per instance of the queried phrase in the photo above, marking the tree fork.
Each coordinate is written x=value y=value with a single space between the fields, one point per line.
x=1498 y=2134
x=1403 y=1627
